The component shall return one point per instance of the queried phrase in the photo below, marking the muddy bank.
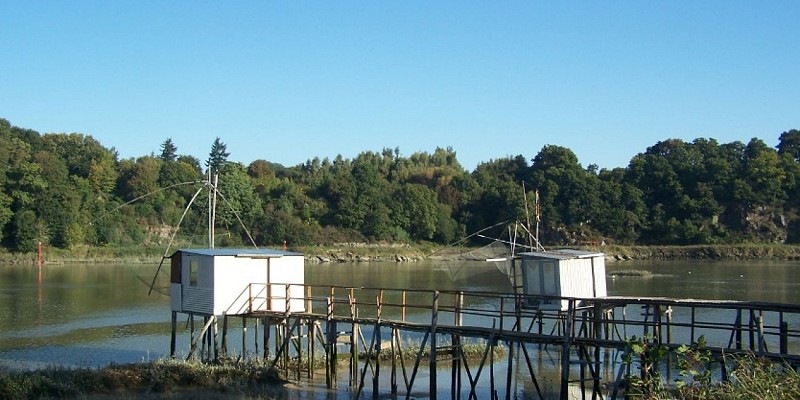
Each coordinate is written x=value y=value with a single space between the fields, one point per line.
x=613 y=253
x=416 y=253
x=717 y=252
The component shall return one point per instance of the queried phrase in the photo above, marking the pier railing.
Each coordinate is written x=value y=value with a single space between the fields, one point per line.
x=369 y=321
x=760 y=327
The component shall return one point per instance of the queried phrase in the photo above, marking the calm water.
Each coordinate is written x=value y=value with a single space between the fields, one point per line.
x=93 y=315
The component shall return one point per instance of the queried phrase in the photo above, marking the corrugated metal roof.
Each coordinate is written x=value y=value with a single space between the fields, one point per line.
x=565 y=254
x=253 y=253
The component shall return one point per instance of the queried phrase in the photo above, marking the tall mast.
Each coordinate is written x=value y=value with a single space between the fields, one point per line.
x=212 y=206
x=213 y=209
x=527 y=216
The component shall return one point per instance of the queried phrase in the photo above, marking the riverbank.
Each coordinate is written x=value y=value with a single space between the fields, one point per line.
x=401 y=253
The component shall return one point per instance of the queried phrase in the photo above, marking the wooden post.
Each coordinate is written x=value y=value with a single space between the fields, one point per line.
x=509 y=368
x=224 y=335
x=403 y=309
x=540 y=330
x=377 y=372
x=502 y=312
x=751 y=330
x=563 y=392
x=332 y=338
x=354 y=331
x=299 y=345
x=668 y=314
x=784 y=337
x=598 y=333
x=287 y=329
x=457 y=351
x=738 y=329
x=244 y=338
x=312 y=336
x=250 y=298
x=215 y=337
x=760 y=323
x=173 y=336
x=192 y=342
x=432 y=362
x=267 y=327
x=203 y=341
x=657 y=323
x=309 y=304
x=393 y=378
x=255 y=337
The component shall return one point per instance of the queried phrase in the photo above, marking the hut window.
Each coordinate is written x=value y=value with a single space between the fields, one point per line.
x=193 y=273
x=541 y=279
x=548 y=278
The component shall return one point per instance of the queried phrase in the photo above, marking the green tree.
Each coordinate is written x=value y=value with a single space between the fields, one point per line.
x=238 y=198
x=764 y=175
x=25 y=235
x=77 y=150
x=416 y=210
x=218 y=156
x=371 y=200
x=140 y=177
x=169 y=152
x=60 y=202
x=790 y=144
x=24 y=181
x=569 y=195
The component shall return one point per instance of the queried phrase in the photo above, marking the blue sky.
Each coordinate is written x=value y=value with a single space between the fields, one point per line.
x=288 y=81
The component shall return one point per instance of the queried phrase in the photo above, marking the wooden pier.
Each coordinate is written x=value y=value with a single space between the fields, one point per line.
x=387 y=335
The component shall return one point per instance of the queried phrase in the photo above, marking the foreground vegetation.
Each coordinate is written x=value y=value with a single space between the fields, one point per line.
x=157 y=380
x=750 y=377
x=69 y=191
x=165 y=379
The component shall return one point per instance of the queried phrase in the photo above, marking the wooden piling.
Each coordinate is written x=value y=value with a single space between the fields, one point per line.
x=432 y=362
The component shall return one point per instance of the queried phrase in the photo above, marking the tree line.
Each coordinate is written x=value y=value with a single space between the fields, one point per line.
x=69 y=190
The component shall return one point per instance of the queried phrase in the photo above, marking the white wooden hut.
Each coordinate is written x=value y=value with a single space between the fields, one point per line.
x=561 y=273
x=236 y=281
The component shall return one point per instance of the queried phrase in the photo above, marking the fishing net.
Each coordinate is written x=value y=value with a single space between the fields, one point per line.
x=496 y=252
x=495 y=249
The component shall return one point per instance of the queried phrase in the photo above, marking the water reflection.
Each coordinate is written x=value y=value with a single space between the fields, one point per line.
x=771 y=281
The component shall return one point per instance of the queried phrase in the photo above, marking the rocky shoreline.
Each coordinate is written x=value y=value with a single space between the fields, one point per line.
x=412 y=253
x=613 y=253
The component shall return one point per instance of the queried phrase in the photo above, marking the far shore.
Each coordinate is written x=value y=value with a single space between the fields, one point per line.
x=403 y=253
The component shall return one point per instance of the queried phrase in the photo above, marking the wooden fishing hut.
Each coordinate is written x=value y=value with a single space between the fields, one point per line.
x=557 y=275
x=213 y=282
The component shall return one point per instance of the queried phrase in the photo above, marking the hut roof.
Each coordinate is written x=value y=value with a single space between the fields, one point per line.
x=245 y=253
x=564 y=254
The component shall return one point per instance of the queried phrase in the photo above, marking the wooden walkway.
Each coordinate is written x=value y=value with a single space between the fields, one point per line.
x=372 y=327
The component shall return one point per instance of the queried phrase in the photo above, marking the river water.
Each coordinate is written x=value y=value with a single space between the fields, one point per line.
x=90 y=315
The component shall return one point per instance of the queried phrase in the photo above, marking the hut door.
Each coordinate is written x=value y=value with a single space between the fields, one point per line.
x=549 y=279
x=541 y=280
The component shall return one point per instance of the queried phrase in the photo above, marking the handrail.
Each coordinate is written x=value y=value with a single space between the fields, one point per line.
x=761 y=322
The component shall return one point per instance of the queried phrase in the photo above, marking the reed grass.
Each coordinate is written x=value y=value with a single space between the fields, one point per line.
x=158 y=379
x=632 y=273
x=758 y=378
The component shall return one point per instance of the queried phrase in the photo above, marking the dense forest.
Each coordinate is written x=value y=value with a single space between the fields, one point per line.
x=68 y=190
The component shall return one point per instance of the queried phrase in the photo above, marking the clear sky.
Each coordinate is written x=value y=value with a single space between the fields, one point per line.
x=290 y=80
